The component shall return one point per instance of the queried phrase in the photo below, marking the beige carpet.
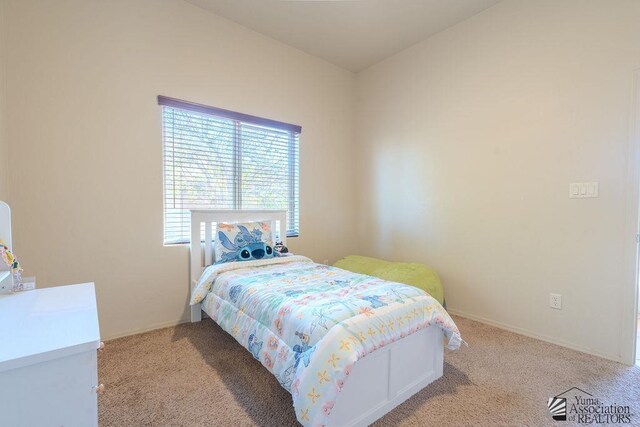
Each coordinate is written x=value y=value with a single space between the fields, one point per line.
x=197 y=375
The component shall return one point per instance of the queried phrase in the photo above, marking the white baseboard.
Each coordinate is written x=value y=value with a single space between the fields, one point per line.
x=535 y=335
x=146 y=329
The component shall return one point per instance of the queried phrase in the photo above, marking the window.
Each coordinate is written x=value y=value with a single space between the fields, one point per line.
x=219 y=159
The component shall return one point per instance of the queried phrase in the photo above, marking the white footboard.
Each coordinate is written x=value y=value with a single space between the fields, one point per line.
x=387 y=377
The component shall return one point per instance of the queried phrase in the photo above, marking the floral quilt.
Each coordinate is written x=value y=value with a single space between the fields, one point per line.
x=308 y=323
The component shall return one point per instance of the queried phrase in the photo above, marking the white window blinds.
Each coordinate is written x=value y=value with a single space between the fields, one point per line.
x=218 y=159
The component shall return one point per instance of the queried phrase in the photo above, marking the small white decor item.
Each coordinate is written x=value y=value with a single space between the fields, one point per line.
x=28 y=283
x=17 y=281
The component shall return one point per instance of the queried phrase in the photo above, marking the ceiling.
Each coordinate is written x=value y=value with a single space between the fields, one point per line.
x=351 y=34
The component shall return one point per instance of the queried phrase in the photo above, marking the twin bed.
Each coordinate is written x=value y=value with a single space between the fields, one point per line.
x=348 y=347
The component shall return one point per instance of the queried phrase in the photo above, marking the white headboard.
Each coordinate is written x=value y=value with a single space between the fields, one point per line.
x=5 y=229
x=201 y=254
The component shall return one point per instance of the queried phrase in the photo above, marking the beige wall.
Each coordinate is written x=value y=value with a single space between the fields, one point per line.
x=468 y=143
x=4 y=154
x=85 y=139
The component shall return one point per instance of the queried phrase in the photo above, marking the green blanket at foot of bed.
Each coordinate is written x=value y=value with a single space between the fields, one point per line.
x=414 y=274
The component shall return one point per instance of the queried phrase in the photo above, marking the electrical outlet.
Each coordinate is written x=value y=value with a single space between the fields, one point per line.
x=555 y=301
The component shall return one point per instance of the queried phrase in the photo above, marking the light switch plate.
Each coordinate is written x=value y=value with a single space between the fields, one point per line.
x=583 y=190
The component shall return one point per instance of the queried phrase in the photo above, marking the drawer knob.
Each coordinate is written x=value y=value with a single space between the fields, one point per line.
x=101 y=347
x=100 y=389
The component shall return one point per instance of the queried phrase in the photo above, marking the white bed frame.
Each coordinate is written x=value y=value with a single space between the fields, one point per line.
x=378 y=382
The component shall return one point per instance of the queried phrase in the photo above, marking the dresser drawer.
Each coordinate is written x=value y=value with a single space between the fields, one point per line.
x=60 y=392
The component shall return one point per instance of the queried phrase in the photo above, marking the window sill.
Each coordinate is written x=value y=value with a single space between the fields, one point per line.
x=168 y=245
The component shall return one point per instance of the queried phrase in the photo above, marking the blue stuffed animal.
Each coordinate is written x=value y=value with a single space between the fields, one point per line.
x=246 y=246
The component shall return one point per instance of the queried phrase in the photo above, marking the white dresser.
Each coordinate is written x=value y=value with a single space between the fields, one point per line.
x=48 y=360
